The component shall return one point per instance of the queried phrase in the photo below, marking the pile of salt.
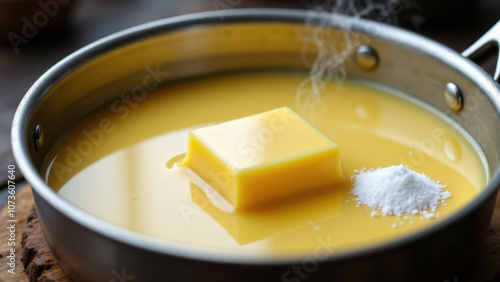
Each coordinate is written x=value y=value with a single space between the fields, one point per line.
x=398 y=190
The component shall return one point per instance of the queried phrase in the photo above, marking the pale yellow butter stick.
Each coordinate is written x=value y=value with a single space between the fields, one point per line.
x=263 y=158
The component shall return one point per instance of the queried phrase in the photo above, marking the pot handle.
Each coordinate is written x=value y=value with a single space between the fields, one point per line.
x=484 y=47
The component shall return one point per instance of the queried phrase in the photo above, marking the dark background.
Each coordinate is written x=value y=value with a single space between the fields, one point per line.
x=455 y=23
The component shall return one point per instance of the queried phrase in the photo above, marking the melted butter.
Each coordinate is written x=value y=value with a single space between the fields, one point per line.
x=119 y=164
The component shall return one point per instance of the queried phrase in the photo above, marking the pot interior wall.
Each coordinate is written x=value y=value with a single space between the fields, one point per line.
x=95 y=76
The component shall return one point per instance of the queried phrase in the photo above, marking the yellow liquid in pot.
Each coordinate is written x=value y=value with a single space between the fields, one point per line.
x=118 y=164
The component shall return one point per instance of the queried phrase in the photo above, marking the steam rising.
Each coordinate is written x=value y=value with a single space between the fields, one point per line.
x=334 y=47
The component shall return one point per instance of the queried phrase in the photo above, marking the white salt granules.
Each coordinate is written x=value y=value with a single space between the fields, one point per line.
x=398 y=190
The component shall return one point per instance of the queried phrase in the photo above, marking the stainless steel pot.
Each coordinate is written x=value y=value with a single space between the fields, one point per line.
x=90 y=249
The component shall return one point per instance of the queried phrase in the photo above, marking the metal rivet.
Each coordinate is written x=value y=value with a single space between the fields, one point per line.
x=366 y=57
x=453 y=96
x=39 y=137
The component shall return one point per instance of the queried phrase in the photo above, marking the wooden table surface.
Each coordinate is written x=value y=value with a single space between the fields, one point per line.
x=93 y=19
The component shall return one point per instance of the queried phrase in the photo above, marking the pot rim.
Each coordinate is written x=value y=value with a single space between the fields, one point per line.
x=35 y=94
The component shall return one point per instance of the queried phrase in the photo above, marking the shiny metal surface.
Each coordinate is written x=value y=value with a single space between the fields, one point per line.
x=366 y=57
x=486 y=44
x=453 y=96
x=90 y=249
x=38 y=137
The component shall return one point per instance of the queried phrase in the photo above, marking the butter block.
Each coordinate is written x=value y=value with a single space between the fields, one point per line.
x=263 y=158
